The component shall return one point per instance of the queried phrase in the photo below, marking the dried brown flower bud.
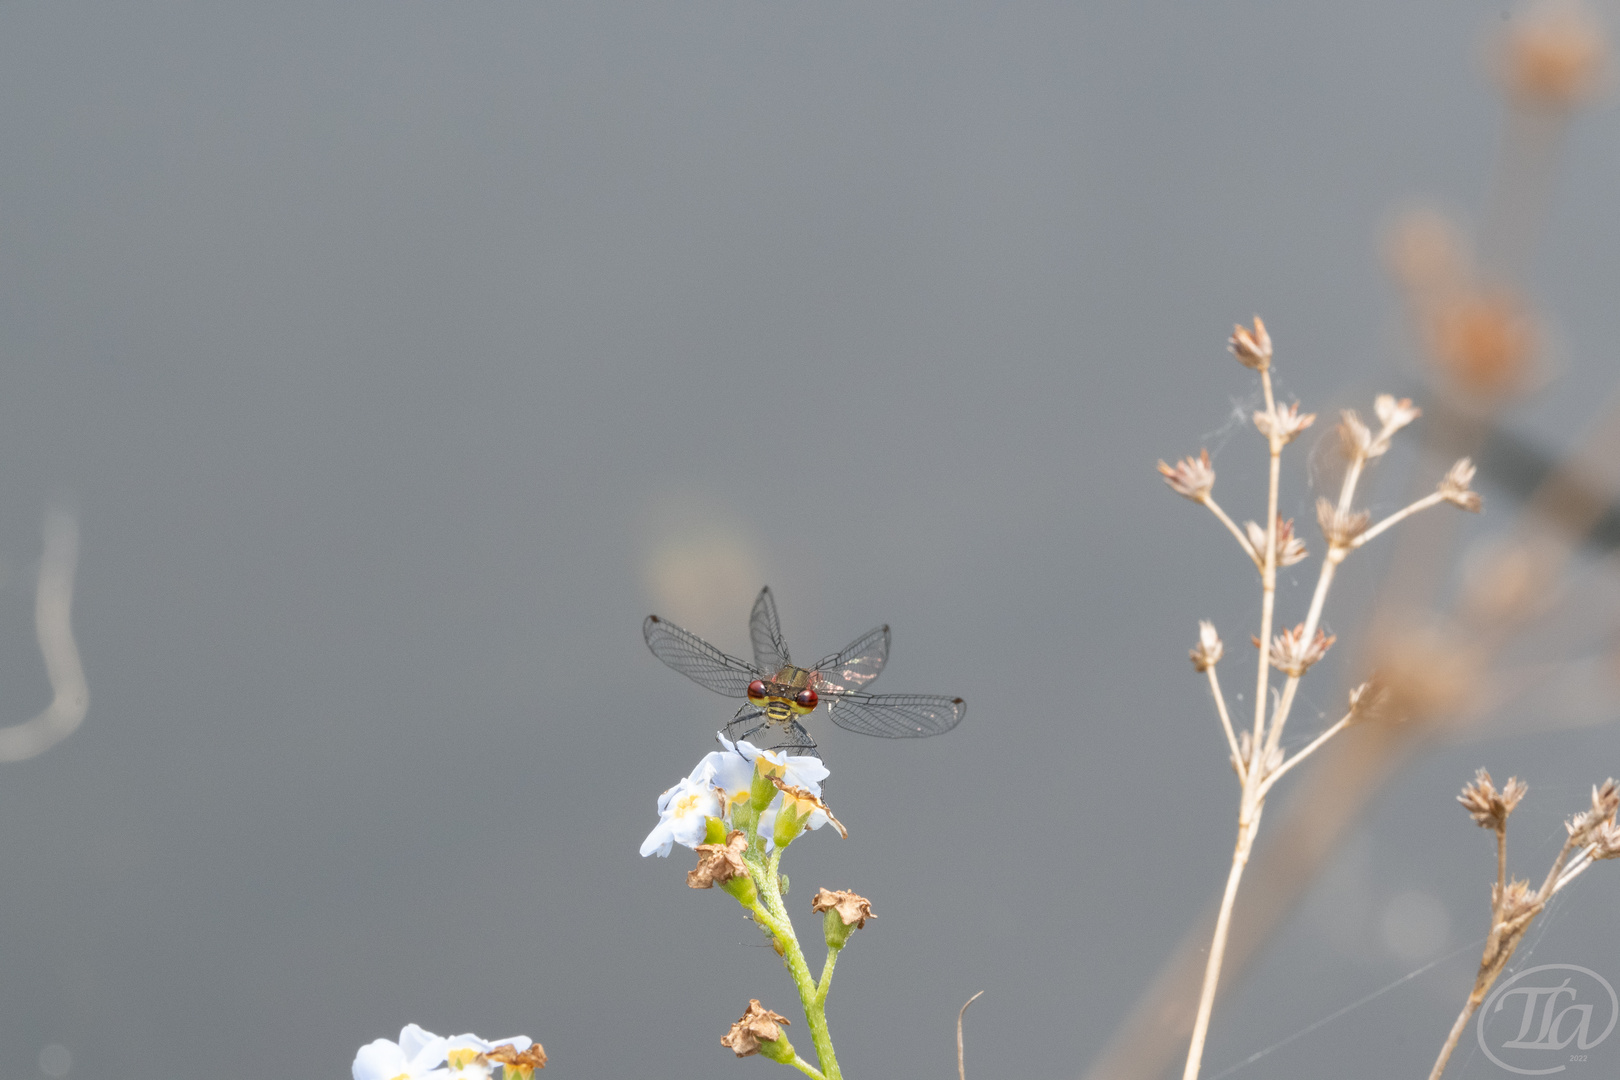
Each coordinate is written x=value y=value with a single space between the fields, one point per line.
x=1488 y=807
x=1340 y=529
x=1354 y=436
x=1207 y=653
x=1585 y=827
x=852 y=908
x=1251 y=347
x=1606 y=841
x=1192 y=477
x=1554 y=58
x=758 y=1025
x=719 y=863
x=1287 y=424
x=803 y=803
x=1394 y=414
x=521 y=1062
x=1290 y=548
x=1368 y=699
x=1454 y=486
x=1293 y=654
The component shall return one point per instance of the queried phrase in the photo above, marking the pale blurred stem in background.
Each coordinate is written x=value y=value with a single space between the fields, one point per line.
x=53 y=617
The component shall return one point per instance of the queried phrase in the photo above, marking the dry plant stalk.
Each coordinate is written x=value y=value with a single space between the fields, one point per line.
x=1480 y=344
x=1257 y=756
x=1593 y=835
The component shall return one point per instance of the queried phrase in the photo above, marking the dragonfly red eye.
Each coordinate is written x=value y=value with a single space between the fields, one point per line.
x=756 y=690
x=806 y=699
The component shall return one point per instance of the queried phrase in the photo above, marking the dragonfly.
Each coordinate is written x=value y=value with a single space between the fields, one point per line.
x=776 y=693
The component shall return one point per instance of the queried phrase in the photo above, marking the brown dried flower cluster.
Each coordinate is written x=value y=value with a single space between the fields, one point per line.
x=1585 y=826
x=1487 y=806
x=757 y=1025
x=1553 y=59
x=1292 y=653
x=1207 y=653
x=1454 y=486
x=1251 y=347
x=852 y=908
x=719 y=863
x=1290 y=548
x=1286 y=424
x=521 y=1062
x=1340 y=528
x=1192 y=477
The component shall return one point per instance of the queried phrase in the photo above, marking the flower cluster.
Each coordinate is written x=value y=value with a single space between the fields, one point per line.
x=422 y=1055
x=739 y=810
x=722 y=788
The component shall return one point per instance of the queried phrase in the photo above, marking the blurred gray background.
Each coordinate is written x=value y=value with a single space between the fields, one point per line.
x=400 y=358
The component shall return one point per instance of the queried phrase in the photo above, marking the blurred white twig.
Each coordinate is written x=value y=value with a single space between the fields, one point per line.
x=53 y=611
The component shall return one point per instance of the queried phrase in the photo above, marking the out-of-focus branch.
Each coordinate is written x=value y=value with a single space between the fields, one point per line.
x=53 y=611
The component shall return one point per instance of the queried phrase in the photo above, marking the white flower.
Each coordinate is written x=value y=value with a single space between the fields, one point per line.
x=802 y=771
x=415 y=1057
x=683 y=817
x=721 y=780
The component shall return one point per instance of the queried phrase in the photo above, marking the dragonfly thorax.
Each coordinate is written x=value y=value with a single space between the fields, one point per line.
x=784 y=695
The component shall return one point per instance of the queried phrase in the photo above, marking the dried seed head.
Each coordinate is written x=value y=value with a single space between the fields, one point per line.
x=1207 y=653
x=719 y=863
x=1192 y=477
x=1606 y=841
x=1292 y=653
x=1340 y=529
x=1584 y=827
x=853 y=908
x=758 y=1025
x=1394 y=414
x=1368 y=699
x=1286 y=423
x=519 y=1063
x=1488 y=807
x=1454 y=486
x=1290 y=548
x=1354 y=436
x=1252 y=348
x=1554 y=58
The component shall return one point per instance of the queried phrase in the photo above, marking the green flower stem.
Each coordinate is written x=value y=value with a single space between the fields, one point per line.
x=770 y=910
x=826 y=977
x=806 y=1068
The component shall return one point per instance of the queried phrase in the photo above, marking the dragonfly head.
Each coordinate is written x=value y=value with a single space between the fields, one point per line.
x=781 y=701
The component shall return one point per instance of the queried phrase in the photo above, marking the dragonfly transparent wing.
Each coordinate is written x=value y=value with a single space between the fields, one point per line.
x=896 y=716
x=752 y=725
x=697 y=659
x=856 y=666
x=765 y=630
